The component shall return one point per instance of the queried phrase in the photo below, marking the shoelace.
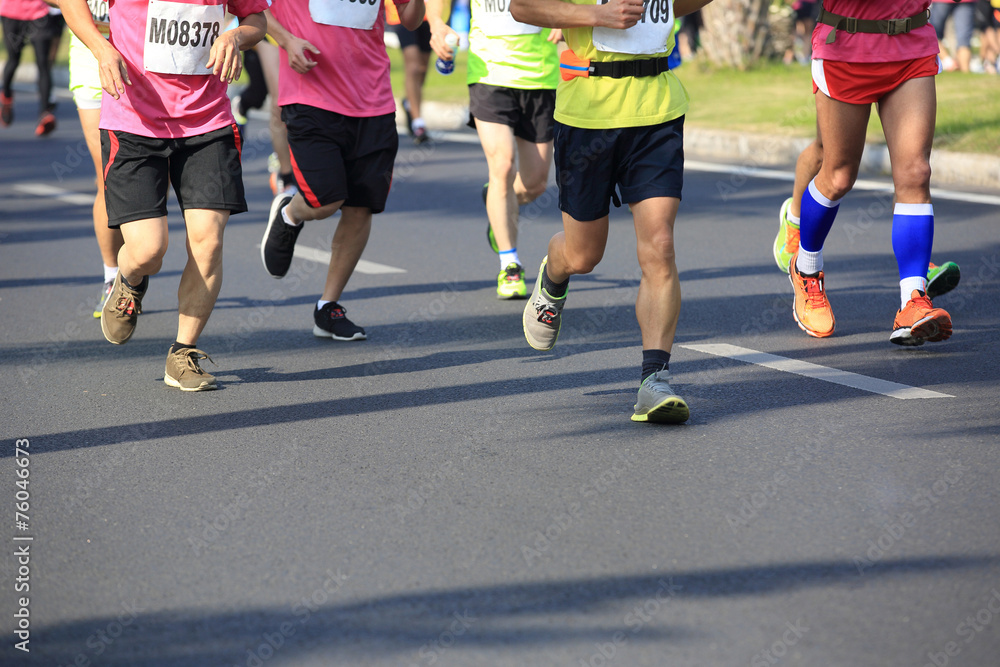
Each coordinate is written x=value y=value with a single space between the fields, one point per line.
x=127 y=306
x=815 y=296
x=193 y=357
x=922 y=302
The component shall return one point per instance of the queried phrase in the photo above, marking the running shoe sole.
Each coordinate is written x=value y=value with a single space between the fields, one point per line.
x=946 y=278
x=931 y=329
x=671 y=410
x=323 y=333
x=779 y=240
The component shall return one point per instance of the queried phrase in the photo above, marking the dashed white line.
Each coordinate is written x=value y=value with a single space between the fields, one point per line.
x=815 y=371
x=62 y=194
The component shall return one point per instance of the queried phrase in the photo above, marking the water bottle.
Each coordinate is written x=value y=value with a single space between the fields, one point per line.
x=448 y=66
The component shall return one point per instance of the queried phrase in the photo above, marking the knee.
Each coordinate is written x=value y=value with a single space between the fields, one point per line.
x=658 y=256
x=147 y=256
x=913 y=174
x=582 y=261
x=534 y=190
x=841 y=181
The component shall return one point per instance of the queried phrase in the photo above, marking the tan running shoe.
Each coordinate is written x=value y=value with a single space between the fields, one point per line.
x=812 y=311
x=121 y=310
x=184 y=372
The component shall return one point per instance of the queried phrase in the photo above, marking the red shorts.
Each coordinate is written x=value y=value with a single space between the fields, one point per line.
x=866 y=83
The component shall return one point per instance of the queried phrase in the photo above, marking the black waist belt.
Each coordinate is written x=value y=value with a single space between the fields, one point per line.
x=619 y=69
x=882 y=26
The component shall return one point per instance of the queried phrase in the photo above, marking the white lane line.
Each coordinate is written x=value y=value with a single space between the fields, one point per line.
x=815 y=371
x=861 y=184
x=62 y=194
x=323 y=257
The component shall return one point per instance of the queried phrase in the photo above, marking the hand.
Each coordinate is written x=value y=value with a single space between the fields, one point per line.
x=438 y=36
x=224 y=59
x=113 y=71
x=555 y=35
x=298 y=58
x=620 y=14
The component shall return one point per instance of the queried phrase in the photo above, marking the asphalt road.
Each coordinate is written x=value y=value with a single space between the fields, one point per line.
x=441 y=494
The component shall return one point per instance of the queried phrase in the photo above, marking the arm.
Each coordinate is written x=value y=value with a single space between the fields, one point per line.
x=436 y=11
x=411 y=14
x=224 y=58
x=296 y=48
x=110 y=64
x=685 y=7
x=618 y=14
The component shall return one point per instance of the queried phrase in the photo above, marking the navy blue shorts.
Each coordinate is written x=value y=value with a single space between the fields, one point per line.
x=643 y=162
x=337 y=157
x=204 y=170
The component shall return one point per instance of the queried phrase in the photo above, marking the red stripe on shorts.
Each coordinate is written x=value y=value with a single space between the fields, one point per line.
x=113 y=140
x=303 y=186
x=239 y=140
x=867 y=83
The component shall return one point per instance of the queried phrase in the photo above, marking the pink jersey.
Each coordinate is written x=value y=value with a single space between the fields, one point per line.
x=875 y=48
x=165 y=44
x=23 y=10
x=352 y=72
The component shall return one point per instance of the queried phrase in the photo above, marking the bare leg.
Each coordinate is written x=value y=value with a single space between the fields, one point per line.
x=501 y=201
x=202 y=276
x=658 y=304
x=145 y=244
x=415 y=61
x=269 y=60
x=348 y=244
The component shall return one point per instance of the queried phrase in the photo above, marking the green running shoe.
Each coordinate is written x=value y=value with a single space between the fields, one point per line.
x=489 y=230
x=658 y=403
x=786 y=243
x=942 y=279
x=510 y=283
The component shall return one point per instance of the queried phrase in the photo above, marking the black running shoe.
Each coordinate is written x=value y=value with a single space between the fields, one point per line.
x=278 y=244
x=331 y=322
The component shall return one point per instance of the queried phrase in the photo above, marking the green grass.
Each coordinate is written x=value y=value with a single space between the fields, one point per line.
x=778 y=99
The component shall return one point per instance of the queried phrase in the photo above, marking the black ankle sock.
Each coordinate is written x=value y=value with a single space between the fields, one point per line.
x=555 y=290
x=653 y=361
x=142 y=283
x=288 y=179
x=180 y=346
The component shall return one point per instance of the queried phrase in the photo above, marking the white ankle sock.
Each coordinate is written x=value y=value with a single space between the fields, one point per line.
x=906 y=287
x=288 y=221
x=809 y=262
x=109 y=273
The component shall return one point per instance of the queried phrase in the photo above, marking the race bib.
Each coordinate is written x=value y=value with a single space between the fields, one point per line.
x=99 y=12
x=493 y=17
x=179 y=36
x=360 y=14
x=648 y=36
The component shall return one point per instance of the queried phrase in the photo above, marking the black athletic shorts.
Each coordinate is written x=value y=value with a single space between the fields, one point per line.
x=337 y=157
x=205 y=171
x=643 y=162
x=529 y=112
x=420 y=37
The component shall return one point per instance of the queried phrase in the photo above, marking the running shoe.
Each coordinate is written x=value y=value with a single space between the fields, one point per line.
x=658 y=403
x=542 y=316
x=786 y=244
x=331 y=322
x=409 y=116
x=492 y=240
x=105 y=293
x=920 y=321
x=942 y=279
x=122 y=309
x=46 y=124
x=812 y=311
x=273 y=164
x=420 y=136
x=184 y=372
x=6 y=110
x=278 y=244
x=510 y=283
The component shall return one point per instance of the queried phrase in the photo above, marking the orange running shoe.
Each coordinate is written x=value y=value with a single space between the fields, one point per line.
x=812 y=311
x=46 y=124
x=6 y=110
x=920 y=321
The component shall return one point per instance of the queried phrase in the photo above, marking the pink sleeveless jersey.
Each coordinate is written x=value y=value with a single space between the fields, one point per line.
x=874 y=48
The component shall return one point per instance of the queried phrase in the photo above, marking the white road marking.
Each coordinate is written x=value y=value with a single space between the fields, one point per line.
x=861 y=184
x=815 y=371
x=62 y=194
x=323 y=257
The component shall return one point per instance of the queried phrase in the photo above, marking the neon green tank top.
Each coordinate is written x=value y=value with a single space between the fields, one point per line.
x=504 y=52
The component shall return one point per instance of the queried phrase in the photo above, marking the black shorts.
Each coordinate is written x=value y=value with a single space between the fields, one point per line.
x=420 y=37
x=205 y=171
x=986 y=16
x=337 y=157
x=807 y=11
x=643 y=162
x=529 y=112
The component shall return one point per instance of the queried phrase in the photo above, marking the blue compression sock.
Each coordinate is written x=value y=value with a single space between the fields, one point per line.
x=816 y=220
x=912 y=238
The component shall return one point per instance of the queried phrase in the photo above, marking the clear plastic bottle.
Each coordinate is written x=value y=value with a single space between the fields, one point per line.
x=448 y=66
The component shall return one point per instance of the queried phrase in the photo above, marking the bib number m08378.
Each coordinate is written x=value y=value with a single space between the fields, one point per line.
x=179 y=36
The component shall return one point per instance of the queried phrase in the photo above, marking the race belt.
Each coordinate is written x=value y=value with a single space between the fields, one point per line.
x=882 y=26
x=571 y=66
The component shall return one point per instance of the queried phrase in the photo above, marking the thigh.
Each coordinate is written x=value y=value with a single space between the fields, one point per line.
x=369 y=164
x=651 y=163
x=534 y=161
x=843 y=127
x=14 y=35
x=136 y=174
x=908 y=116
x=585 y=170
x=206 y=172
